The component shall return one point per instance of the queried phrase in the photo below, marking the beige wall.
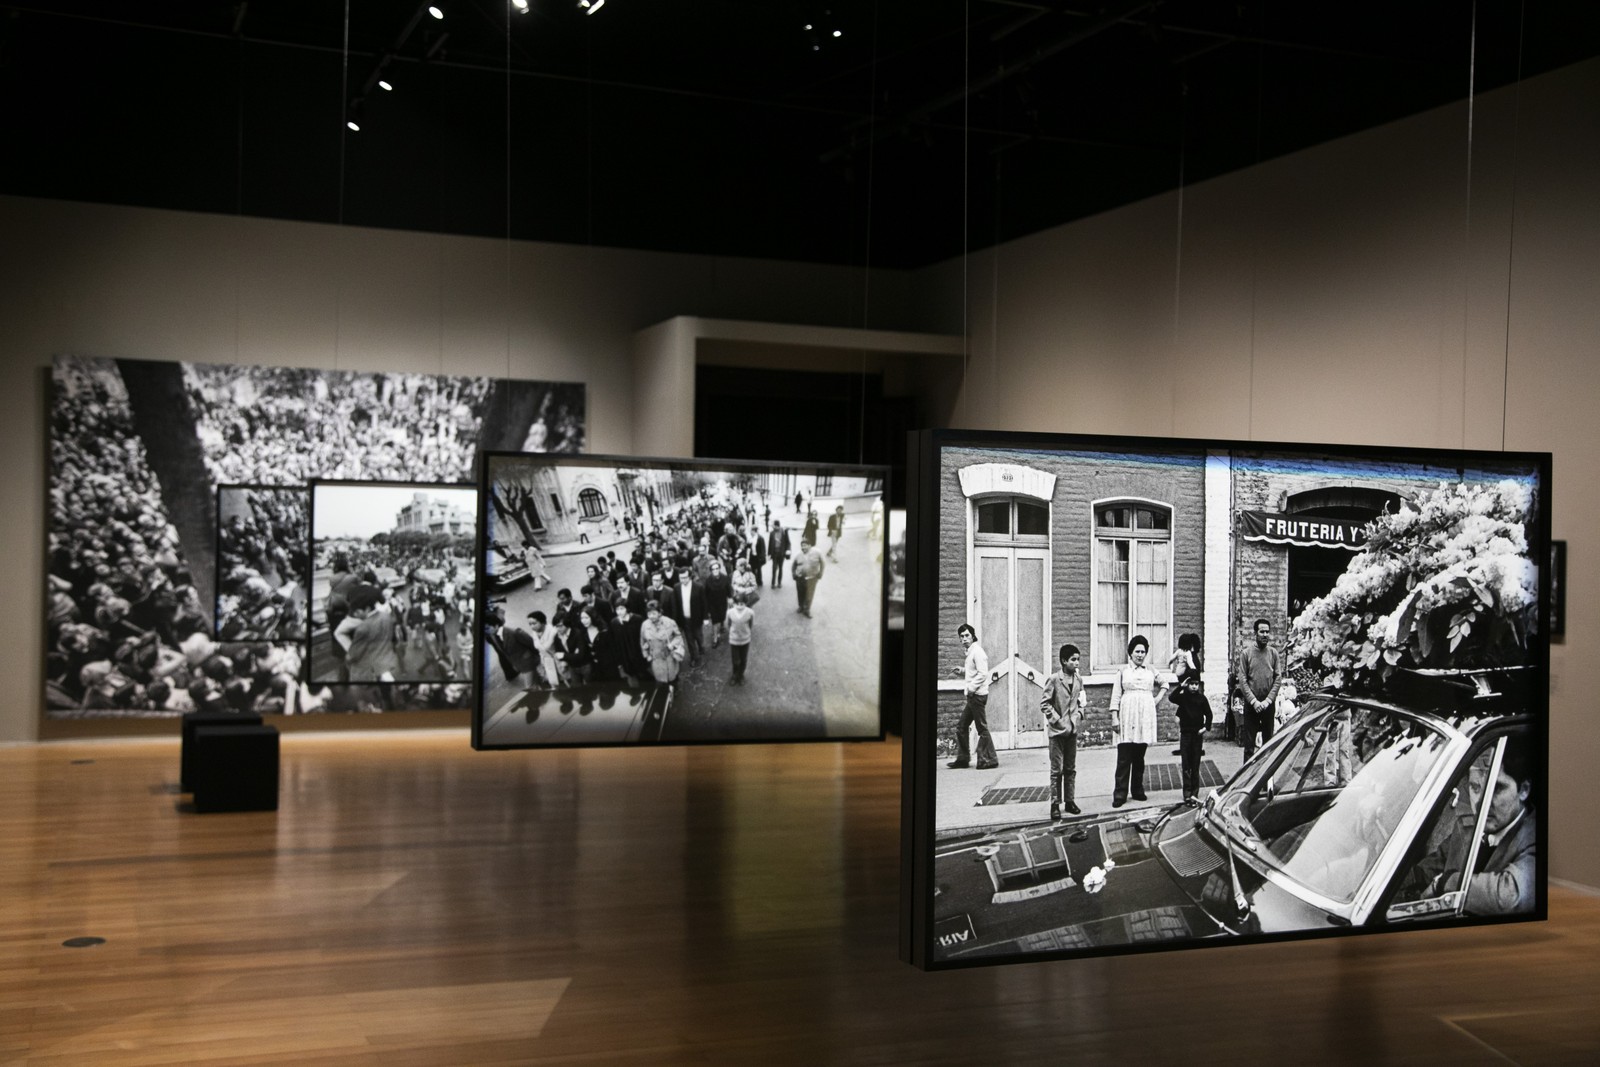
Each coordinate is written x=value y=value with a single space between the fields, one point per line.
x=138 y=283
x=1344 y=294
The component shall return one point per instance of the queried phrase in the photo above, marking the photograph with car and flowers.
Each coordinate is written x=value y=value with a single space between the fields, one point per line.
x=1180 y=692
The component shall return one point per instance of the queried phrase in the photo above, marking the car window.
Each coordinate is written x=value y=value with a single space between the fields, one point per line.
x=1431 y=882
x=1326 y=810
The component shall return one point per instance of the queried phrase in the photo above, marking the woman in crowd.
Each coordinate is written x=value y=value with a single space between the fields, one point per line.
x=662 y=644
x=718 y=587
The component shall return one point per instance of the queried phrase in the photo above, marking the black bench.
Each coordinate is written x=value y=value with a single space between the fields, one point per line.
x=235 y=768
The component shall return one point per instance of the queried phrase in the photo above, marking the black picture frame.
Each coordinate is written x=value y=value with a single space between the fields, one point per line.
x=649 y=717
x=320 y=485
x=948 y=910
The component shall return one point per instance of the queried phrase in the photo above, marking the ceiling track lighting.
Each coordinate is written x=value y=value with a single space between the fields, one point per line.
x=521 y=6
x=435 y=12
x=591 y=6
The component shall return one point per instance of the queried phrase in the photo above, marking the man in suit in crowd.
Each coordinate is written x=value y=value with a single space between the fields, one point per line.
x=686 y=606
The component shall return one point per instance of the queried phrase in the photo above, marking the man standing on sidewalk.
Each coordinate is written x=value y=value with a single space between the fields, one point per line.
x=808 y=568
x=1259 y=671
x=1063 y=704
x=976 y=712
x=835 y=531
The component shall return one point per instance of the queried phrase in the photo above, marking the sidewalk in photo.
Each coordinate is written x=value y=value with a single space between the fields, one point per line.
x=1018 y=791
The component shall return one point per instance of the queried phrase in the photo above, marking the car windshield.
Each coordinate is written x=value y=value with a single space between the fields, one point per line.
x=1322 y=806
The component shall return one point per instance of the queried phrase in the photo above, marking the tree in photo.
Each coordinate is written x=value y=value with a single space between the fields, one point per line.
x=1445 y=581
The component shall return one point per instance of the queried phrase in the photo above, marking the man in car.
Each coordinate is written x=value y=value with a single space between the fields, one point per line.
x=1504 y=882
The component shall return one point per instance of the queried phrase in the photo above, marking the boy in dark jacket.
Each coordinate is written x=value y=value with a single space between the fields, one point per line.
x=1194 y=719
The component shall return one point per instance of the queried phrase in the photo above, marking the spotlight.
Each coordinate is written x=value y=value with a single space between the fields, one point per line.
x=353 y=126
x=591 y=6
x=435 y=12
x=520 y=5
x=838 y=33
x=385 y=86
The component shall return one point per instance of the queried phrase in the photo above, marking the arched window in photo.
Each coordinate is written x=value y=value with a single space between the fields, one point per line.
x=591 y=504
x=1132 y=581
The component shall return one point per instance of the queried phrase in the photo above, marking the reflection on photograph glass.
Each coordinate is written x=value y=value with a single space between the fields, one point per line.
x=629 y=600
x=1177 y=693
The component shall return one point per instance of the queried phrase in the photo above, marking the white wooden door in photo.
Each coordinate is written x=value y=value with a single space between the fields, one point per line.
x=1014 y=629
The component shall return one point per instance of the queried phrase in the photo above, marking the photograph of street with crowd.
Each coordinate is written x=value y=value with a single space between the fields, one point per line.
x=630 y=600
x=150 y=611
x=392 y=590
x=1188 y=692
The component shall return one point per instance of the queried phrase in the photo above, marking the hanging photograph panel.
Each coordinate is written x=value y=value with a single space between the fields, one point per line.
x=1279 y=691
x=630 y=600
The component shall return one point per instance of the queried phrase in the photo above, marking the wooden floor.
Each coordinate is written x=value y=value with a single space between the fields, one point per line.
x=414 y=902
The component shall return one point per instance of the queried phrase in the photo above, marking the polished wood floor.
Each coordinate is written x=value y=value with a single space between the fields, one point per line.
x=414 y=902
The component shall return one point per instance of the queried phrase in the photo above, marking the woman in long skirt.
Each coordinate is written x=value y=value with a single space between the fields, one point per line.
x=1133 y=720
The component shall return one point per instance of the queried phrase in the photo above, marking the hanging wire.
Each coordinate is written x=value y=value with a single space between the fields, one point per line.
x=1255 y=246
x=966 y=177
x=1511 y=226
x=506 y=391
x=1177 y=265
x=866 y=254
x=1466 y=237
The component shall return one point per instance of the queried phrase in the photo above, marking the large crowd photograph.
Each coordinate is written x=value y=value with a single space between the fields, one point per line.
x=631 y=600
x=1178 y=693
x=178 y=570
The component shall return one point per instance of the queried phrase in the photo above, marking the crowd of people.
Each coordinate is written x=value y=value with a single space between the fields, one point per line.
x=286 y=425
x=689 y=585
x=262 y=564
x=395 y=612
x=122 y=604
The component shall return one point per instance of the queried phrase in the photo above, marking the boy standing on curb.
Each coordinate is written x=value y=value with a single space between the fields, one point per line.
x=1194 y=719
x=1063 y=704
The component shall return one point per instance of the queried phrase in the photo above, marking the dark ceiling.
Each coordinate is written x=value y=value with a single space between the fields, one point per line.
x=923 y=127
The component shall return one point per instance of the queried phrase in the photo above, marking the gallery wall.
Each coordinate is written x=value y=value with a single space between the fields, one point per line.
x=1352 y=293
x=146 y=284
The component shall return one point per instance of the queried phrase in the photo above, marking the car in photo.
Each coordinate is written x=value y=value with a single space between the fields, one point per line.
x=1364 y=811
x=505 y=567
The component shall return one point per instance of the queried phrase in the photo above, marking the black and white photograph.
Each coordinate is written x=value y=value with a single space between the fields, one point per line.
x=263 y=562
x=1184 y=692
x=633 y=600
x=392 y=582
x=897 y=568
x=140 y=451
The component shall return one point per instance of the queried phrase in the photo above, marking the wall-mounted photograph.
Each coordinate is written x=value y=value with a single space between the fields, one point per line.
x=1173 y=693
x=392 y=586
x=630 y=600
x=141 y=554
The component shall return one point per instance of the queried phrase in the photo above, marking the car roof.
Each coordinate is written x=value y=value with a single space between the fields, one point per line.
x=1466 y=702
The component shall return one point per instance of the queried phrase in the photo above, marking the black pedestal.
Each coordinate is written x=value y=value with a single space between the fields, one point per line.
x=196 y=719
x=235 y=768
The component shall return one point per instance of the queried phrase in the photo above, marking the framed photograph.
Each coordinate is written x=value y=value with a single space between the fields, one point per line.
x=263 y=562
x=165 y=477
x=630 y=600
x=1167 y=693
x=392 y=586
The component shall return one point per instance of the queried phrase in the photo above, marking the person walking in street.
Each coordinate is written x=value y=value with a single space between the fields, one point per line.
x=1259 y=671
x=809 y=531
x=1063 y=705
x=718 y=586
x=625 y=632
x=799 y=498
x=758 y=551
x=662 y=644
x=808 y=568
x=746 y=581
x=1133 y=720
x=741 y=623
x=686 y=606
x=536 y=564
x=835 y=531
x=975 y=713
x=778 y=552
